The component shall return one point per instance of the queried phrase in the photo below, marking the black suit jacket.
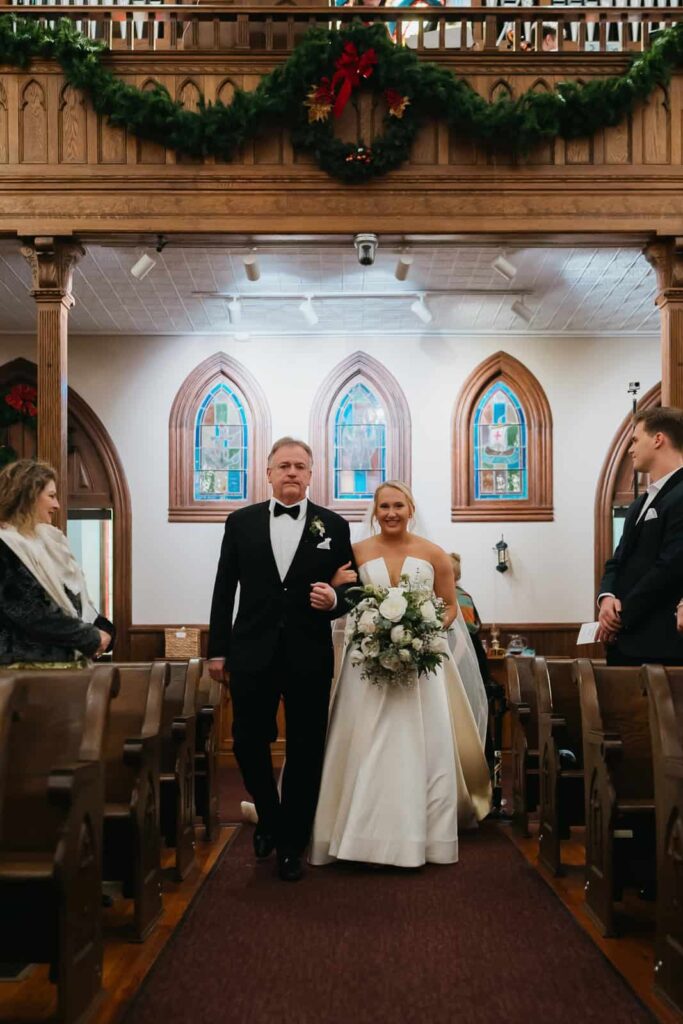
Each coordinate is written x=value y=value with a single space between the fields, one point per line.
x=646 y=574
x=272 y=611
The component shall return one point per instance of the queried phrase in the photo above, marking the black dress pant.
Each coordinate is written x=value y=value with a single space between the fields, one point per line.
x=255 y=701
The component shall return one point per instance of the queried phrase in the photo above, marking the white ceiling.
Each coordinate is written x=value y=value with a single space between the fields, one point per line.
x=572 y=289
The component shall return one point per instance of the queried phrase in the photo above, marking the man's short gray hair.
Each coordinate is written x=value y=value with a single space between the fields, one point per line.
x=283 y=441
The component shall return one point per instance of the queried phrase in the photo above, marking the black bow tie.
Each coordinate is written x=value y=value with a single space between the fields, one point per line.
x=286 y=510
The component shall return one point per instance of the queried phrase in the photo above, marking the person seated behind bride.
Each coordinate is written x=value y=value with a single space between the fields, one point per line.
x=404 y=765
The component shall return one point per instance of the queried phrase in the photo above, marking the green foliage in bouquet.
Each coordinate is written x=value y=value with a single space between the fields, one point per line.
x=327 y=66
x=396 y=633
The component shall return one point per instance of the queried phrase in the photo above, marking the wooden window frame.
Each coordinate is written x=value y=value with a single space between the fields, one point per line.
x=182 y=505
x=398 y=429
x=538 y=507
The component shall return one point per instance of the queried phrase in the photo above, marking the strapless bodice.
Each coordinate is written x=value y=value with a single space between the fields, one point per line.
x=419 y=571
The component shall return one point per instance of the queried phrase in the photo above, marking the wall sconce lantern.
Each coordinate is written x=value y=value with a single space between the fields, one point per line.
x=501 y=549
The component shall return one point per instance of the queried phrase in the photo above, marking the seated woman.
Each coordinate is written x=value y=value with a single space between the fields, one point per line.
x=46 y=617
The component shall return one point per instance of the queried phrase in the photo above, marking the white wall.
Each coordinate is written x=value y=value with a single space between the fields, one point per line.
x=131 y=383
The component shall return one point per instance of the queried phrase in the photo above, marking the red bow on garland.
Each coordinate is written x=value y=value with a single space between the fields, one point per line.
x=23 y=398
x=351 y=67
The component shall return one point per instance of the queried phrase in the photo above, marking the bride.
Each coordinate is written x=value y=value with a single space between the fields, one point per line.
x=404 y=767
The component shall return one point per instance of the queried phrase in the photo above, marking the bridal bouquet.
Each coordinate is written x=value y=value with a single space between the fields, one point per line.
x=396 y=633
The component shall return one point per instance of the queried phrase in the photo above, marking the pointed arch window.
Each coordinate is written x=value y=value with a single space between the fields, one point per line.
x=362 y=415
x=219 y=437
x=502 y=445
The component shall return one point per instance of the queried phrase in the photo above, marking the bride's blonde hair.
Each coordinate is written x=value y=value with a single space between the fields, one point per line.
x=398 y=485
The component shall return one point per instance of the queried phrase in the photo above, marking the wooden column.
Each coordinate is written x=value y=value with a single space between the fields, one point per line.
x=52 y=261
x=666 y=256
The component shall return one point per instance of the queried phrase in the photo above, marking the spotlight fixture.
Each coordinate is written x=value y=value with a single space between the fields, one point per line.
x=241 y=335
x=142 y=267
x=404 y=264
x=502 y=266
x=235 y=310
x=307 y=311
x=251 y=267
x=520 y=309
x=421 y=310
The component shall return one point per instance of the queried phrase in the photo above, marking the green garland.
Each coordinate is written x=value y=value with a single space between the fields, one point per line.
x=573 y=110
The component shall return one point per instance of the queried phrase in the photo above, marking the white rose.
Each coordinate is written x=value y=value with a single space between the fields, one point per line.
x=397 y=634
x=389 y=661
x=369 y=646
x=428 y=611
x=438 y=644
x=405 y=655
x=394 y=605
x=417 y=644
x=356 y=656
x=367 y=622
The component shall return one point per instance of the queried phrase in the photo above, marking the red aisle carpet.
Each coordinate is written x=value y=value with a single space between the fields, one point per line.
x=481 y=942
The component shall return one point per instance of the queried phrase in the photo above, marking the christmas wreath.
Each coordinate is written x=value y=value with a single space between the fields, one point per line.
x=18 y=404
x=322 y=75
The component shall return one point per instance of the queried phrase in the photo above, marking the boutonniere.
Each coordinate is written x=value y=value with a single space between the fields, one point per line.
x=317 y=527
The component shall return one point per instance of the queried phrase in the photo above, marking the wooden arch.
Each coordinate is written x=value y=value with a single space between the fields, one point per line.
x=96 y=478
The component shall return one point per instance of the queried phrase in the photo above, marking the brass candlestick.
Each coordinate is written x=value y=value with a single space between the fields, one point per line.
x=496 y=650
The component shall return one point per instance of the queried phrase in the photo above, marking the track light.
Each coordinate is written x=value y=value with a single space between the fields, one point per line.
x=241 y=335
x=404 y=264
x=308 y=313
x=142 y=267
x=421 y=310
x=235 y=310
x=251 y=267
x=502 y=266
x=520 y=309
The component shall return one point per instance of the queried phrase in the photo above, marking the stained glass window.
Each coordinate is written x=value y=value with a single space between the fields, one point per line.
x=360 y=444
x=220 y=447
x=500 y=446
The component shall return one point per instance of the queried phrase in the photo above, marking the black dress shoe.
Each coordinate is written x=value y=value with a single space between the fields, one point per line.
x=289 y=867
x=264 y=844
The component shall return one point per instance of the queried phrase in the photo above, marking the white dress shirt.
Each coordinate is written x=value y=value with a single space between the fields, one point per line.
x=285 y=535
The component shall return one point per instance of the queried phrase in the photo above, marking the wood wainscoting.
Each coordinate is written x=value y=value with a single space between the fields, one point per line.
x=550 y=639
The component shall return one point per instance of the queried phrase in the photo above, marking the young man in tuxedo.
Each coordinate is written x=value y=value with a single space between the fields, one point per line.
x=281 y=553
x=643 y=581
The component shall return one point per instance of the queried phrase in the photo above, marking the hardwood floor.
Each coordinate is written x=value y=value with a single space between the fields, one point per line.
x=632 y=954
x=126 y=964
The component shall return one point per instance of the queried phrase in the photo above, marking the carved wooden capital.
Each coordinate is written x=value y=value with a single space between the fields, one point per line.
x=666 y=256
x=52 y=262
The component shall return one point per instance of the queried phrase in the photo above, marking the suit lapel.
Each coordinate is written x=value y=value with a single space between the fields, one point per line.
x=264 y=530
x=306 y=538
x=636 y=527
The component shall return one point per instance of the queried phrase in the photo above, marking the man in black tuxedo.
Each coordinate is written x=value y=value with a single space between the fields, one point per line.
x=281 y=553
x=643 y=581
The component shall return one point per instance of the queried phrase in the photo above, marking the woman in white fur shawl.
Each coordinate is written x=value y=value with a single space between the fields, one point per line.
x=45 y=613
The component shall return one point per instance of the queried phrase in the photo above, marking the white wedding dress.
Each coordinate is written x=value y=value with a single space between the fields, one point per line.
x=404 y=767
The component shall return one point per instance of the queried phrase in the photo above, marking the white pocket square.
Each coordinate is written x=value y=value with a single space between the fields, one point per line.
x=651 y=514
x=324 y=545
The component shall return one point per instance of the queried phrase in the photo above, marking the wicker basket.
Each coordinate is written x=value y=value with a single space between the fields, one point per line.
x=182 y=642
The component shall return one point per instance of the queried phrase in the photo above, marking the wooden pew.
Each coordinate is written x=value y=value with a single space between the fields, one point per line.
x=620 y=807
x=521 y=694
x=51 y=830
x=8 y=704
x=208 y=706
x=665 y=691
x=178 y=728
x=560 y=757
x=132 y=840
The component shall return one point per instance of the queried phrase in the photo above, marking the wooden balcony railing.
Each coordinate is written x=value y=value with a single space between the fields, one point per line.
x=450 y=30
